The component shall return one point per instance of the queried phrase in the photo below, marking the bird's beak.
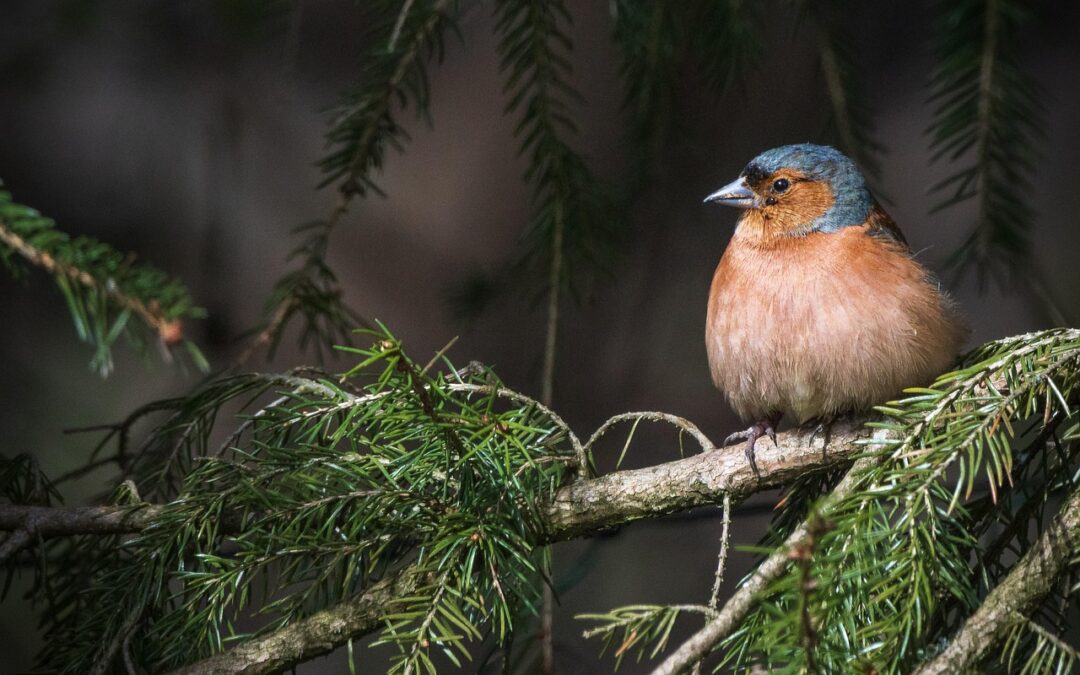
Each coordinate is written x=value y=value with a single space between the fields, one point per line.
x=736 y=193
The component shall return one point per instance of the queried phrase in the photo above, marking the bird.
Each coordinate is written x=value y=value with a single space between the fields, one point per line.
x=818 y=307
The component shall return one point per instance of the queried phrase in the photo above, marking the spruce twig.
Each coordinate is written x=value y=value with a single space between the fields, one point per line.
x=103 y=287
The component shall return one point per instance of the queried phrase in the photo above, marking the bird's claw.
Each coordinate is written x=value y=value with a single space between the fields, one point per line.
x=737 y=436
x=823 y=429
x=751 y=435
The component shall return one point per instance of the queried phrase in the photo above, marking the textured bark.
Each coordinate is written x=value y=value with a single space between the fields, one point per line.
x=1027 y=584
x=318 y=634
x=698 y=480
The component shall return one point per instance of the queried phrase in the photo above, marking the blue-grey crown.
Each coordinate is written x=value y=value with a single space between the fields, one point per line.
x=822 y=162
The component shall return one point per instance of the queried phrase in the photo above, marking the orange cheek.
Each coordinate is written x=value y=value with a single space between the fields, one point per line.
x=798 y=207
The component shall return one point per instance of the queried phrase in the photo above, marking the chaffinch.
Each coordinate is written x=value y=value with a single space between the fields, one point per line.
x=818 y=307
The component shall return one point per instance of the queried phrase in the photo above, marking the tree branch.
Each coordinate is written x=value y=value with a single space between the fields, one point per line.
x=316 y=635
x=1029 y=582
x=736 y=608
x=170 y=331
x=578 y=509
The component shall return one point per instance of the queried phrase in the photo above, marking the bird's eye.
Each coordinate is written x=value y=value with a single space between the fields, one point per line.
x=780 y=185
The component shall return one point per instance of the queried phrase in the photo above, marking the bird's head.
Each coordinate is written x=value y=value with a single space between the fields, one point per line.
x=797 y=189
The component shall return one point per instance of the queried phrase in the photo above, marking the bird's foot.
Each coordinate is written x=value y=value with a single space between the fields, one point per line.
x=751 y=435
x=824 y=430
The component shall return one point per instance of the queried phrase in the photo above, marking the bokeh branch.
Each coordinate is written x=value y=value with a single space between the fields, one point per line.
x=104 y=288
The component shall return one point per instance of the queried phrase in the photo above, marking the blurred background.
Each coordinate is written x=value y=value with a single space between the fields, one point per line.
x=188 y=132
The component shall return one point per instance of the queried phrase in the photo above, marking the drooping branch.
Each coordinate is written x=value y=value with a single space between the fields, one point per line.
x=103 y=287
x=1029 y=582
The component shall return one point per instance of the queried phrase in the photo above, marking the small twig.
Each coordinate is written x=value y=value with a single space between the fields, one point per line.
x=680 y=422
x=438 y=355
x=108 y=652
x=267 y=334
x=721 y=563
x=406 y=7
x=14 y=543
x=87 y=468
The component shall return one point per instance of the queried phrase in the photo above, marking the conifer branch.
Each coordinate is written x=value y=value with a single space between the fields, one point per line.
x=364 y=125
x=414 y=469
x=738 y=605
x=579 y=509
x=313 y=636
x=102 y=286
x=1031 y=579
x=852 y=114
x=988 y=118
x=571 y=226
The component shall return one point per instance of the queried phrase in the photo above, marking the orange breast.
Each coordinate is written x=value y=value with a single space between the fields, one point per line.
x=824 y=323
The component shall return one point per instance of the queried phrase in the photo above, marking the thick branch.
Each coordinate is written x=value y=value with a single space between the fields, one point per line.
x=1029 y=582
x=579 y=509
x=56 y=521
x=699 y=480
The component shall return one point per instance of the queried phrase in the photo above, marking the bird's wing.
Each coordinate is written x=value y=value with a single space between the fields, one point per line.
x=881 y=224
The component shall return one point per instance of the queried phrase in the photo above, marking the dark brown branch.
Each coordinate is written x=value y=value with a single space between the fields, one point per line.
x=14 y=543
x=1014 y=599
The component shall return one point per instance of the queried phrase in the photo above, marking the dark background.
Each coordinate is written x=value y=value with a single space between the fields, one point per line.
x=187 y=132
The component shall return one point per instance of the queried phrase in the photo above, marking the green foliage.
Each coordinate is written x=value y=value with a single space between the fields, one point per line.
x=636 y=628
x=394 y=75
x=364 y=125
x=22 y=482
x=572 y=219
x=720 y=40
x=317 y=496
x=725 y=40
x=890 y=571
x=988 y=115
x=649 y=36
x=103 y=287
